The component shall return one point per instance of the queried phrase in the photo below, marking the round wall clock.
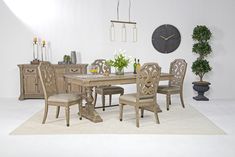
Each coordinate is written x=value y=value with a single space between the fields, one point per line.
x=166 y=38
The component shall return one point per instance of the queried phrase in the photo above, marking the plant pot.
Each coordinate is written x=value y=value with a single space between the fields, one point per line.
x=201 y=88
x=119 y=71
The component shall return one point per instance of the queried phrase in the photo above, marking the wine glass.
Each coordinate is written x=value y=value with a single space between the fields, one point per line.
x=93 y=69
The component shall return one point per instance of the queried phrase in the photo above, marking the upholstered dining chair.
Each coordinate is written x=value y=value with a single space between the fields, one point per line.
x=175 y=86
x=52 y=97
x=147 y=84
x=105 y=90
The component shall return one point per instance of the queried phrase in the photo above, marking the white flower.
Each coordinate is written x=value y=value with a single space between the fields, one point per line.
x=131 y=59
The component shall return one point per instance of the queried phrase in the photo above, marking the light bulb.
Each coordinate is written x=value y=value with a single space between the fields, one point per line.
x=134 y=34
x=123 y=33
x=112 y=32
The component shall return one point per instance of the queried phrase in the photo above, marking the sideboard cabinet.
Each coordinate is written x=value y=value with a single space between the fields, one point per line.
x=30 y=84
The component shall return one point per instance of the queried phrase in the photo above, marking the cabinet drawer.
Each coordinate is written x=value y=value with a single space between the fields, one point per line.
x=74 y=70
x=30 y=71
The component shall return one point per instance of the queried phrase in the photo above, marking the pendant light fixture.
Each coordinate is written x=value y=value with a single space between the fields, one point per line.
x=123 y=32
x=134 y=33
x=112 y=32
x=123 y=26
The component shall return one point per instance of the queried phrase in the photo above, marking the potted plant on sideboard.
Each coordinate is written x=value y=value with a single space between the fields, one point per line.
x=201 y=36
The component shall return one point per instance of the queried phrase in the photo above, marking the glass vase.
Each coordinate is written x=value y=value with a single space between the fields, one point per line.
x=119 y=71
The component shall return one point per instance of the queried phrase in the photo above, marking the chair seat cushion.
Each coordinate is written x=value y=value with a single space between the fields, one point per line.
x=109 y=90
x=132 y=98
x=66 y=98
x=168 y=89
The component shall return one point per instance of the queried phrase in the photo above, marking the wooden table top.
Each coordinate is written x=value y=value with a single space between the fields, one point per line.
x=112 y=79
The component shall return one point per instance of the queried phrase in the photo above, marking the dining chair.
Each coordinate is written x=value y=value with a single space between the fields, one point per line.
x=105 y=90
x=51 y=95
x=147 y=81
x=175 y=86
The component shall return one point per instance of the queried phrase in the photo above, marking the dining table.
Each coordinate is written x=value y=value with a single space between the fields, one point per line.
x=89 y=81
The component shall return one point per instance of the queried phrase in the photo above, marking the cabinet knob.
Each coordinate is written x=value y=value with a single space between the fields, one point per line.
x=74 y=70
x=30 y=70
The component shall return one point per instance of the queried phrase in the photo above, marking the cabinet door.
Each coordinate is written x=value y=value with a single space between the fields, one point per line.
x=30 y=84
x=39 y=83
x=60 y=79
x=30 y=80
x=74 y=69
x=73 y=88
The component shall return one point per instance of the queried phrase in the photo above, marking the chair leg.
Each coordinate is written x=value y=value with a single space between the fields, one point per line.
x=137 y=116
x=142 y=112
x=167 y=101
x=103 y=102
x=45 y=114
x=110 y=99
x=121 y=111
x=95 y=99
x=156 y=114
x=80 y=109
x=170 y=100
x=181 y=98
x=57 y=111
x=67 y=115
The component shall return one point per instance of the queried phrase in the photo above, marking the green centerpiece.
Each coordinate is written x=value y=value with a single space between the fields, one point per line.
x=120 y=62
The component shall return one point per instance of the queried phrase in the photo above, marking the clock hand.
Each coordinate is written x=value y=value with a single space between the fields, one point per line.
x=170 y=37
x=163 y=37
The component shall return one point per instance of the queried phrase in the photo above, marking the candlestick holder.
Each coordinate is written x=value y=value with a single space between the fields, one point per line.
x=35 y=52
x=43 y=51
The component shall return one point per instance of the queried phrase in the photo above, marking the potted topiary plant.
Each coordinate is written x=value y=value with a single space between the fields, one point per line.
x=201 y=36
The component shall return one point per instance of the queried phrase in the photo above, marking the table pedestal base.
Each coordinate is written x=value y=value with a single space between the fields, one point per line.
x=89 y=111
x=92 y=115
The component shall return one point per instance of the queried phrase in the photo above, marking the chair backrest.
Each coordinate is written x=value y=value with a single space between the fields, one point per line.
x=102 y=67
x=147 y=81
x=48 y=79
x=178 y=68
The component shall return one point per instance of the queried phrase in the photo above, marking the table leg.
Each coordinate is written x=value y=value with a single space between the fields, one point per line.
x=89 y=110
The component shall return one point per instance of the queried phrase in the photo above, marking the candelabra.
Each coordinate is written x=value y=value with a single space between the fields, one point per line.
x=35 y=51
x=43 y=51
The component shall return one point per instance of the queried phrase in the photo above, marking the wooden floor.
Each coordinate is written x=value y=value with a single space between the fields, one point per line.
x=14 y=112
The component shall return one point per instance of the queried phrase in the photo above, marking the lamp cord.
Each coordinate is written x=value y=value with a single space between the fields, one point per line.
x=129 y=10
x=118 y=10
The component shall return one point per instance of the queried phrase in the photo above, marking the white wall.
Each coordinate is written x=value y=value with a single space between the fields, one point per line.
x=83 y=25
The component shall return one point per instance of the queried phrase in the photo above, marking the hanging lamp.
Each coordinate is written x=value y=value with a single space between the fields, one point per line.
x=123 y=28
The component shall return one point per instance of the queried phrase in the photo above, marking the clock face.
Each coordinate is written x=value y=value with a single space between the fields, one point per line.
x=166 y=38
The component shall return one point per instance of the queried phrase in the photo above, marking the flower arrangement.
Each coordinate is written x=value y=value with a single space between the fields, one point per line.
x=120 y=62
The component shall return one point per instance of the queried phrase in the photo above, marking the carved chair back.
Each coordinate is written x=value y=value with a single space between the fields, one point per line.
x=48 y=79
x=178 y=69
x=102 y=67
x=147 y=81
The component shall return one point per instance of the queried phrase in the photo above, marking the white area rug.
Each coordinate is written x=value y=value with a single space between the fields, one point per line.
x=175 y=121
